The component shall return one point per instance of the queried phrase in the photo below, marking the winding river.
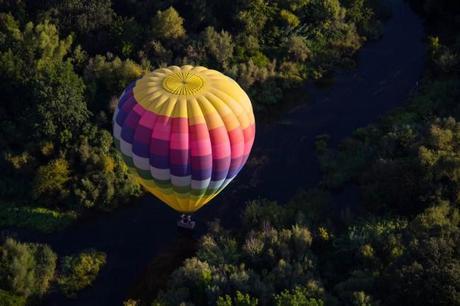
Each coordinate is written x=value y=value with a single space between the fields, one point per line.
x=387 y=73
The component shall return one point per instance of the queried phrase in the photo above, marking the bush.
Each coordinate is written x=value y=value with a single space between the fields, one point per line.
x=26 y=269
x=79 y=271
x=8 y=299
x=168 y=24
x=298 y=296
x=239 y=300
x=51 y=178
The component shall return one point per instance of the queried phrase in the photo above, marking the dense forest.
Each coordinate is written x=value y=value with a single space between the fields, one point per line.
x=64 y=63
x=398 y=247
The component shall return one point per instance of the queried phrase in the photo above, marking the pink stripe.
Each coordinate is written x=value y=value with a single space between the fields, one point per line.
x=199 y=132
x=200 y=147
x=218 y=135
x=179 y=141
x=221 y=150
x=162 y=128
x=148 y=119
x=249 y=134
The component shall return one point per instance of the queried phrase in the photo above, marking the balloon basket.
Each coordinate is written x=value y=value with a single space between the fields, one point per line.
x=186 y=222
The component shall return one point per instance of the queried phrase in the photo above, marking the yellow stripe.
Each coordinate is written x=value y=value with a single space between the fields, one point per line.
x=151 y=93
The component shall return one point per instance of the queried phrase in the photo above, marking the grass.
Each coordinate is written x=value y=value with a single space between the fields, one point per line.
x=36 y=218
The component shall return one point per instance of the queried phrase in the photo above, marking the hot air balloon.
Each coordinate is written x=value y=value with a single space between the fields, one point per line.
x=185 y=132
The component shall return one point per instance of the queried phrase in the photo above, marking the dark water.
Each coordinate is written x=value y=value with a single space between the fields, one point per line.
x=131 y=236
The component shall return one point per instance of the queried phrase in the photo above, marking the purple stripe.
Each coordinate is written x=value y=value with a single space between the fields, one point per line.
x=141 y=149
x=180 y=170
x=125 y=97
x=221 y=164
x=179 y=157
x=201 y=162
x=124 y=111
x=142 y=134
x=219 y=175
x=158 y=161
x=127 y=134
x=121 y=117
x=201 y=174
x=233 y=171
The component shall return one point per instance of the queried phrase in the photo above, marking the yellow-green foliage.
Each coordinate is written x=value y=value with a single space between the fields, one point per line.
x=79 y=271
x=113 y=72
x=290 y=18
x=26 y=269
x=168 y=24
x=18 y=160
x=36 y=218
x=43 y=39
x=52 y=177
x=9 y=299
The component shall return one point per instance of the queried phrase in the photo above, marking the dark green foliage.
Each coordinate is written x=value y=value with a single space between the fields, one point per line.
x=35 y=218
x=398 y=244
x=8 y=299
x=298 y=296
x=26 y=269
x=239 y=300
x=247 y=269
x=108 y=76
x=79 y=271
x=45 y=123
x=90 y=20
x=60 y=105
x=406 y=167
x=64 y=63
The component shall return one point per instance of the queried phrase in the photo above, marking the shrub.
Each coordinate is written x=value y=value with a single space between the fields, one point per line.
x=299 y=296
x=79 y=271
x=9 y=299
x=26 y=269
x=168 y=24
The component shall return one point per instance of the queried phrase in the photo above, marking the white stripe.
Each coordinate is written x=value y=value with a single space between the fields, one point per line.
x=122 y=94
x=216 y=184
x=160 y=174
x=226 y=182
x=116 y=130
x=141 y=162
x=126 y=148
x=200 y=184
x=115 y=114
x=181 y=181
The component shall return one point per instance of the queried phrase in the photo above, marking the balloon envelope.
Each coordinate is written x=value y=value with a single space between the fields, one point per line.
x=185 y=132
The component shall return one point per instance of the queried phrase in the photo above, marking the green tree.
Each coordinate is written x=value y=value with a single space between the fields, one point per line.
x=51 y=179
x=49 y=95
x=107 y=76
x=428 y=273
x=254 y=16
x=79 y=271
x=168 y=24
x=60 y=104
x=26 y=269
x=241 y=299
x=84 y=16
x=297 y=48
x=297 y=297
x=8 y=299
x=219 y=45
